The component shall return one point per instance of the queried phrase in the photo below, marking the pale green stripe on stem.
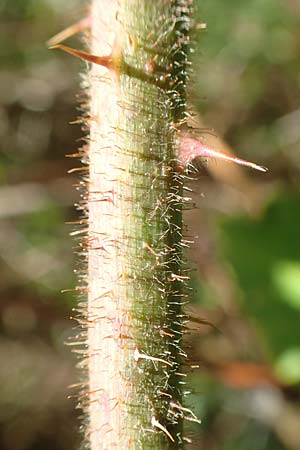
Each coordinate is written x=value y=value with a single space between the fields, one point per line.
x=136 y=279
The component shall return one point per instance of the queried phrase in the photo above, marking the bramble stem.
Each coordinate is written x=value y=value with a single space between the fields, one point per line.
x=135 y=271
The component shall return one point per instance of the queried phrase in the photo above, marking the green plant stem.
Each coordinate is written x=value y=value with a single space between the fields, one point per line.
x=135 y=268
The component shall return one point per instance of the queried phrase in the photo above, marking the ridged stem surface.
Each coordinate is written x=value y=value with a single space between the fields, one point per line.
x=135 y=272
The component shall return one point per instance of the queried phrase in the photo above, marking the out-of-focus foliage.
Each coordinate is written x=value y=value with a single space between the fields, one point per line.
x=247 y=89
x=37 y=96
x=246 y=86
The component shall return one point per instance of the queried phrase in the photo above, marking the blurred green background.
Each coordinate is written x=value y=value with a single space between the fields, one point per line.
x=246 y=88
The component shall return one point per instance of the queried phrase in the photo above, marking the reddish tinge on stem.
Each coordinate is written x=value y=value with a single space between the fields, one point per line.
x=191 y=148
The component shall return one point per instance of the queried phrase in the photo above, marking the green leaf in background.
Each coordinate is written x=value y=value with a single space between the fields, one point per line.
x=265 y=256
x=286 y=277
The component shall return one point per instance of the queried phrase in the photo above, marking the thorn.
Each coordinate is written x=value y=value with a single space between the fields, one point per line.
x=137 y=356
x=78 y=169
x=191 y=148
x=77 y=232
x=148 y=247
x=105 y=61
x=69 y=31
x=165 y=333
x=193 y=417
x=176 y=277
x=155 y=423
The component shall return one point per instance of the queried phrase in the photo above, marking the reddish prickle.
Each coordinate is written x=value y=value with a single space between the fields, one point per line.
x=106 y=61
x=191 y=148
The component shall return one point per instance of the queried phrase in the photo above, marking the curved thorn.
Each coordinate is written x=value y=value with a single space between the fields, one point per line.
x=105 y=61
